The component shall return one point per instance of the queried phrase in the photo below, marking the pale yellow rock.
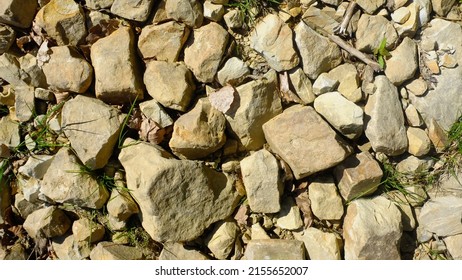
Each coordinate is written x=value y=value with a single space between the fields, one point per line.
x=419 y=143
x=111 y=251
x=87 y=230
x=438 y=136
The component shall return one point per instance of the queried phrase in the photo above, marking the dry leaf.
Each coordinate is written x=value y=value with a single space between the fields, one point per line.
x=101 y=30
x=223 y=99
x=151 y=131
x=284 y=89
x=304 y=204
x=22 y=42
x=135 y=119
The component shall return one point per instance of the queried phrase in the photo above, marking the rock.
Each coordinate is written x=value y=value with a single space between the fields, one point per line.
x=317 y=18
x=33 y=74
x=332 y=2
x=300 y=133
x=199 y=132
x=24 y=103
x=171 y=84
x=75 y=73
x=401 y=15
x=412 y=164
x=320 y=245
x=417 y=87
x=425 y=9
x=23 y=206
x=263 y=185
x=348 y=78
x=370 y=6
x=233 y=72
x=111 y=251
x=302 y=85
x=419 y=143
x=442 y=216
x=453 y=243
x=47 y=223
x=200 y=197
x=7 y=38
x=9 y=132
x=324 y=83
x=273 y=39
x=86 y=118
x=358 y=175
x=318 y=54
x=10 y=70
x=116 y=71
x=87 y=230
x=413 y=117
x=121 y=205
x=36 y=166
x=94 y=18
x=234 y=19
x=410 y=26
x=274 y=249
x=384 y=119
x=64 y=21
x=187 y=11
x=258 y=232
x=368 y=41
x=342 y=114
x=66 y=248
x=438 y=136
x=137 y=10
x=289 y=216
x=407 y=214
x=64 y=182
x=442 y=7
x=213 y=11
x=177 y=251
x=99 y=4
x=326 y=203
x=374 y=221
x=163 y=42
x=19 y=13
x=221 y=239
x=203 y=56
x=16 y=252
x=403 y=62
x=258 y=103
x=154 y=111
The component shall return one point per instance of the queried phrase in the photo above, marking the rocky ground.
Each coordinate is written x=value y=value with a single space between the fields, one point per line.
x=257 y=129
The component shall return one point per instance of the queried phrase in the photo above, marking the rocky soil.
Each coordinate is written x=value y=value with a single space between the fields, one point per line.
x=190 y=129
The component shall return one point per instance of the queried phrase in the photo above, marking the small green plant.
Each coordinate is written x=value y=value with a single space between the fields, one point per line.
x=123 y=129
x=251 y=8
x=455 y=135
x=381 y=53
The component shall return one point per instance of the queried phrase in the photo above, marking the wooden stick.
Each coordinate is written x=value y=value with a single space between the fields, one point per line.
x=342 y=29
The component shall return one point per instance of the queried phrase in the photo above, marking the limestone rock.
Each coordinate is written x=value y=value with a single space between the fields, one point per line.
x=372 y=230
x=324 y=83
x=454 y=245
x=64 y=21
x=33 y=74
x=403 y=62
x=187 y=11
x=46 y=223
x=273 y=39
x=19 y=13
x=221 y=239
x=425 y=9
x=163 y=42
x=9 y=132
x=320 y=245
x=153 y=110
x=137 y=10
x=320 y=19
x=36 y=166
x=177 y=251
x=203 y=56
x=99 y=4
x=64 y=183
x=258 y=103
x=121 y=205
x=384 y=125
x=419 y=143
x=7 y=36
x=370 y=6
x=87 y=230
x=401 y=15
x=300 y=133
x=10 y=70
x=348 y=78
x=413 y=117
x=368 y=41
x=233 y=72
x=117 y=80
x=234 y=19
x=274 y=249
x=412 y=164
x=289 y=216
x=302 y=85
x=417 y=87
x=213 y=11
x=326 y=203
x=410 y=26
x=318 y=54
x=66 y=248
x=442 y=216
x=260 y=174
x=258 y=232
x=199 y=132
x=438 y=136
x=171 y=84
x=75 y=73
x=111 y=251
x=342 y=114
x=86 y=118
x=442 y=7
x=24 y=103
x=200 y=196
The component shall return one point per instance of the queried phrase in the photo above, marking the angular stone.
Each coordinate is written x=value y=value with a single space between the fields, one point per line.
x=112 y=251
x=300 y=133
x=320 y=245
x=177 y=251
x=154 y=111
x=326 y=203
x=417 y=87
x=200 y=196
x=273 y=39
x=341 y=113
x=438 y=136
x=320 y=19
x=19 y=13
x=412 y=164
x=289 y=216
x=318 y=54
x=24 y=103
x=302 y=85
x=64 y=182
x=171 y=84
x=384 y=120
x=233 y=72
x=348 y=78
x=413 y=117
x=7 y=37
x=425 y=9
x=442 y=216
x=31 y=71
x=454 y=245
x=419 y=143
x=403 y=62
x=258 y=232
x=187 y=11
x=121 y=205
x=66 y=248
x=221 y=239
x=86 y=118
x=46 y=223
x=64 y=21
x=10 y=70
x=324 y=83
x=258 y=103
x=372 y=230
x=274 y=249
x=203 y=56
x=213 y=11
x=163 y=42
x=260 y=174
x=234 y=19
x=87 y=230
x=75 y=73
x=450 y=184
x=99 y=4
x=137 y=10
x=442 y=7
x=401 y=15
x=36 y=166
x=9 y=132
x=368 y=41
x=116 y=70
x=370 y=6
x=410 y=26
x=24 y=207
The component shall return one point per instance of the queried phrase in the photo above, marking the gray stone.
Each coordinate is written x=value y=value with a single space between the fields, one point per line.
x=154 y=111
x=274 y=249
x=326 y=203
x=372 y=230
x=99 y=4
x=320 y=245
x=299 y=133
x=233 y=72
x=345 y=116
x=318 y=54
x=171 y=84
x=187 y=11
x=33 y=74
x=7 y=37
x=234 y=19
x=370 y=6
x=200 y=196
x=407 y=213
x=368 y=41
x=19 y=13
x=258 y=103
x=425 y=9
x=117 y=75
x=44 y=94
x=419 y=143
x=163 y=42
x=332 y=2
x=221 y=239
x=349 y=83
x=412 y=164
x=36 y=166
x=213 y=11
x=10 y=70
x=384 y=119
x=47 y=223
x=112 y=251
x=121 y=205
x=289 y=216
x=64 y=182
x=442 y=7
x=403 y=62
x=302 y=85
x=9 y=132
x=23 y=206
x=454 y=245
x=262 y=182
x=24 y=103
x=317 y=18
x=86 y=118
x=137 y=10
x=324 y=83
x=87 y=230
x=75 y=73
x=66 y=248
x=177 y=251
x=442 y=216
x=203 y=56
